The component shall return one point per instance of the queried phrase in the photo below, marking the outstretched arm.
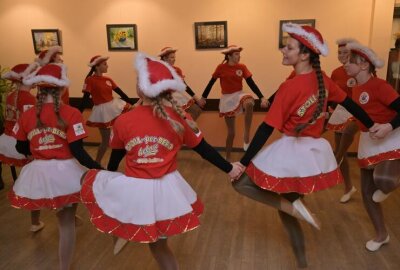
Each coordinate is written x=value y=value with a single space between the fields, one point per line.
x=123 y=96
x=262 y=134
x=82 y=156
x=116 y=156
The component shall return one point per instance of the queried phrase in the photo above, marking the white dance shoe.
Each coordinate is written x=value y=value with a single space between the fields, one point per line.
x=306 y=214
x=119 y=245
x=374 y=246
x=346 y=197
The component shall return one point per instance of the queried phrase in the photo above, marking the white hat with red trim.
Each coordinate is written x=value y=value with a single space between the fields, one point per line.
x=366 y=53
x=97 y=59
x=155 y=76
x=50 y=75
x=232 y=49
x=44 y=57
x=343 y=41
x=308 y=36
x=166 y=50
x=20 y=71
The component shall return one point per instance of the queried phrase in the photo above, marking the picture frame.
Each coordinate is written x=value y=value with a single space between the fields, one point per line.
x=211 y=35
x=122 y=37
x=284 y=36
x=393 y=71
x=45 y=38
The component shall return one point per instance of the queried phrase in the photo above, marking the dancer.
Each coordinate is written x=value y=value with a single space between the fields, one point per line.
x=52 y=133
x=106 y=108
x=341 y=121
x=379 y=159
x=234 y=101
x=190 y=105
x=151 y=201
x=279 y=179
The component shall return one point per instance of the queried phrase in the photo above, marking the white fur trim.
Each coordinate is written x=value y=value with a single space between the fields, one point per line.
x=12 y=75
x=372 y=57
x=50 y=52
x=344 y=41
x=310 y=37
x=152 y=90
x=34 y=79
x=166 y=50
x=98 y=60
x=231 y=48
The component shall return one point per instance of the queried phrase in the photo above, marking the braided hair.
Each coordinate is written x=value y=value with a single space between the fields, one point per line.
x=42 y=94
x=159 y=111
x=315 y=63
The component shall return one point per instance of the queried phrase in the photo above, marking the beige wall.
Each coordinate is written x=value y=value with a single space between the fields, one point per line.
x=252 y=24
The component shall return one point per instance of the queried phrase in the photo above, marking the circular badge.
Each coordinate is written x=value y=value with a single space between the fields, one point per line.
x=239 y=72
x=364 y=98
x=109 y=83
x=351 y=82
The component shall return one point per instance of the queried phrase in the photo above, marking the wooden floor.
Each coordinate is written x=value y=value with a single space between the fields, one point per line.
x=236 y=232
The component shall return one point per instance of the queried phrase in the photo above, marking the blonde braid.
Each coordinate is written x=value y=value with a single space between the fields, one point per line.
x=39 y=105
x=178 y=109
x=56 y=98
x=159 y=111
x=314 y=59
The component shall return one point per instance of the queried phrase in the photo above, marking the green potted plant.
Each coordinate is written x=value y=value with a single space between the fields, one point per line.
x=5 y=88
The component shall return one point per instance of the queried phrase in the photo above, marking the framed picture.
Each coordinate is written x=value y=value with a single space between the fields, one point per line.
x=393 y=71
x=283 y=36
x=211 y=35
x=45 y=38
x=122 y=37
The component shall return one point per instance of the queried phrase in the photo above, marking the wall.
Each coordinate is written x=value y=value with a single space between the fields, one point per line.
x=252 y=24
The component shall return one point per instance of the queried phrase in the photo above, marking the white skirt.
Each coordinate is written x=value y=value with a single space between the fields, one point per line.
x=372 y=152
x=47 y=184
x=295 y=164
x=8 y=154
x=182 y=100
x=231 y=105
x=104 y=115
x=339 y=119
x=140 y=210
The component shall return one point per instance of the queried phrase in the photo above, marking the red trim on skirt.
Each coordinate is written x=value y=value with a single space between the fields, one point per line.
x=302 y=185
x=36 y=204
x=339 y=127
x=237 y=109
x=109 y=124
x=138 y=233
x=13 y=161
x=188 y=104
x=372 y=160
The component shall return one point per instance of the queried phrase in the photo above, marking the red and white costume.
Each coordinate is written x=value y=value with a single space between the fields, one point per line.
x=52 y=179
x=340 y=116
x=302 y=164
x=8 y=153
x=231 y=81
x=106 y=108
x=151 y=200
x=374 y=97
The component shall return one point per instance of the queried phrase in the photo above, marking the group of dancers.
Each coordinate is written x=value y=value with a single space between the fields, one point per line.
x=151 y=201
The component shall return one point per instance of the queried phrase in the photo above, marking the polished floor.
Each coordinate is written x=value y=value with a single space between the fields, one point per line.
x=236 y=233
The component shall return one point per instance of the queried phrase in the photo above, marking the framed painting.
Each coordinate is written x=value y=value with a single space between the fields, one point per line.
x=211 y=35
x=122 y=37
x=45 y=38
